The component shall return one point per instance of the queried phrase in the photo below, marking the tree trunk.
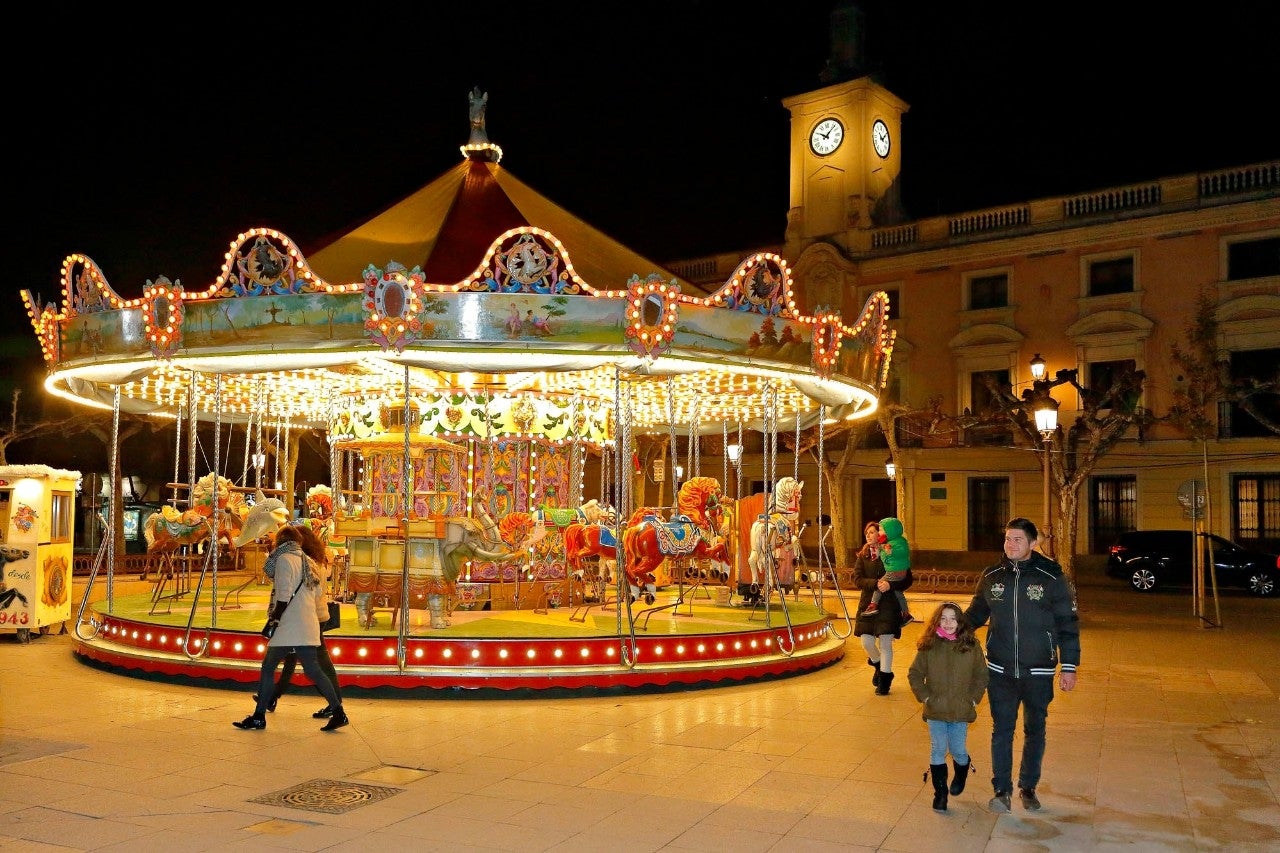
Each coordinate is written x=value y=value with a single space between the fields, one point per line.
x=1064 y=529
x=291 y=467
x=887 y=423
x=832 y=470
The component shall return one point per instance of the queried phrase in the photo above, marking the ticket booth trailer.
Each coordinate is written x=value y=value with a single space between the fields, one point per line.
x=37 y=520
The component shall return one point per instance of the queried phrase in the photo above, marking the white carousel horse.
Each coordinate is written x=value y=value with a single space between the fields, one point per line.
x=775 y=537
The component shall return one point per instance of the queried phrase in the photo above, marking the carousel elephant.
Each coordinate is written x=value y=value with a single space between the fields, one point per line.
x=467 y=539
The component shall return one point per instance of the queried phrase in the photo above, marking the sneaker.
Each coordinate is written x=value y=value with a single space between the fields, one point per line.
x=324 y=713
x=1030 y=801
x=872 y=610
x=251 y=723
x=1001 y=803
x=907 y=618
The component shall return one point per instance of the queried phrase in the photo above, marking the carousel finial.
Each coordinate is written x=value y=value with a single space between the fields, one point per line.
x=478 y=146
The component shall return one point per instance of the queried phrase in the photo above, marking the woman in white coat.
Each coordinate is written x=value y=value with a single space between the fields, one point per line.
x=298 y=600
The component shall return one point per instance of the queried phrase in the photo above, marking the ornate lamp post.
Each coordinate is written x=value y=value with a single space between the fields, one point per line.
x=1046 y=414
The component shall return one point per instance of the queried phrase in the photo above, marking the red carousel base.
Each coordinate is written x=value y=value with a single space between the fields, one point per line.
x=706 y=649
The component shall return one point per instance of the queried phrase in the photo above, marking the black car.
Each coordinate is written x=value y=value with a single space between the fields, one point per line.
x=1151 y=559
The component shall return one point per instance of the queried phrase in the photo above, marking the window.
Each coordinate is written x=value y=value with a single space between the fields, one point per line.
x=1255 y=511
x=988 y=291
x=1102 y=374
x=60 y=517
x=1253 y=258
x=988 y=512
x=983 y=401
x=1111 y=276
x=1262 y=365
x=1113 y=509
x=981 y=397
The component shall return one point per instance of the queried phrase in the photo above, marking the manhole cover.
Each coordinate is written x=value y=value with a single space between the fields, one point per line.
x=327 y=795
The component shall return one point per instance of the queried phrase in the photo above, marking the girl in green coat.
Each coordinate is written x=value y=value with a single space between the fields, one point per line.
x=949 y=675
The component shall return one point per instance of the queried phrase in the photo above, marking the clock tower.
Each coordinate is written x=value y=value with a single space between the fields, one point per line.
x=846 y=154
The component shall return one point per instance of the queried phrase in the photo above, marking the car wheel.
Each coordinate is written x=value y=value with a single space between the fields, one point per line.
x=1262 y=583
x=1143 y=578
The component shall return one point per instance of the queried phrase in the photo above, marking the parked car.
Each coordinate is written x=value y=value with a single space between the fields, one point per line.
x=1153 y=559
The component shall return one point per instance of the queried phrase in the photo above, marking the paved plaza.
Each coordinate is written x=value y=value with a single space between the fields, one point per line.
x=1170 y=741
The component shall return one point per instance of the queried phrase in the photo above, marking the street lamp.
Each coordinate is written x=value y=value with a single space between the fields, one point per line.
x=1046 y=413
x=1037 y=367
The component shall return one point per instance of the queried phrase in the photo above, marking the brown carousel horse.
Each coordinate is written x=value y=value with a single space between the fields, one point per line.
x=693 y=534
x=169 y=529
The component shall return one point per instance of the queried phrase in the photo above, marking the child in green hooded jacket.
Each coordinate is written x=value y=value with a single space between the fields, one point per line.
x=895 y=554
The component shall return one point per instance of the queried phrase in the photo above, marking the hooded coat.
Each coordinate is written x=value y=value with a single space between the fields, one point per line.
x=949 y=678
x=895 y=553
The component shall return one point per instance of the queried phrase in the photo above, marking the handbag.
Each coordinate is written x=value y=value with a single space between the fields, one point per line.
x=269 y=629
x=335 y=617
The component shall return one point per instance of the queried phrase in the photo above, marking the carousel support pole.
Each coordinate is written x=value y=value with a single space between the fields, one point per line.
x=406 y=483
x=217 y=510
x=112 y=509
x=177 y=460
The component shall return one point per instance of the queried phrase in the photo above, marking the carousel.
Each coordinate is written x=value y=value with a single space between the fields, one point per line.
x=483 y=367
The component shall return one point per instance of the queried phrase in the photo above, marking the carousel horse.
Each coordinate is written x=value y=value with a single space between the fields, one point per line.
x=693 y=534
x=319 y=504
x=169 y=529
x=774 y=539
x=589 y=540
x=592 y=536
x=583 y=541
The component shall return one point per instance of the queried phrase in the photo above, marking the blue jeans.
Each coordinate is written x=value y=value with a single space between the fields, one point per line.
x=1005 y=694
x=946 y=736
x=307 y=656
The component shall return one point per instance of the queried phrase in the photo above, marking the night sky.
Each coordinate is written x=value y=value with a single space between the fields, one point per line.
x=149 y=144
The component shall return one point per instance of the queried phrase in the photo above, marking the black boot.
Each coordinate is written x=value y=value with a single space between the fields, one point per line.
x=882 y=686
x=962 y=772
x=336 y=721
x=939 y=774
x=875 y=672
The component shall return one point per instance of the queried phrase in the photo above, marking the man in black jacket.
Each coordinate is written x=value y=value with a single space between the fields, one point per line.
x=1034 y=629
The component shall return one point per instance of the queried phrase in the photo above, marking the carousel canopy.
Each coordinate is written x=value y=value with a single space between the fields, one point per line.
x=469 y=294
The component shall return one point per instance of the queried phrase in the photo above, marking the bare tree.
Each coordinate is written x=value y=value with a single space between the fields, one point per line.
x=1206 y=378
x=98 y=425
x=19 y=428
x=1074 y=451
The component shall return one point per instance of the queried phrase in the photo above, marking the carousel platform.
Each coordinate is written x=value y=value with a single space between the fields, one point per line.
x=687 y=638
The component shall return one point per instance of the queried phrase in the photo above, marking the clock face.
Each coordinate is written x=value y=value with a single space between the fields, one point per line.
x=880 y=138
x=827 y=136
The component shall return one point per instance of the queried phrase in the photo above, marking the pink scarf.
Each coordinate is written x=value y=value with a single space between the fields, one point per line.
x=944 y=635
